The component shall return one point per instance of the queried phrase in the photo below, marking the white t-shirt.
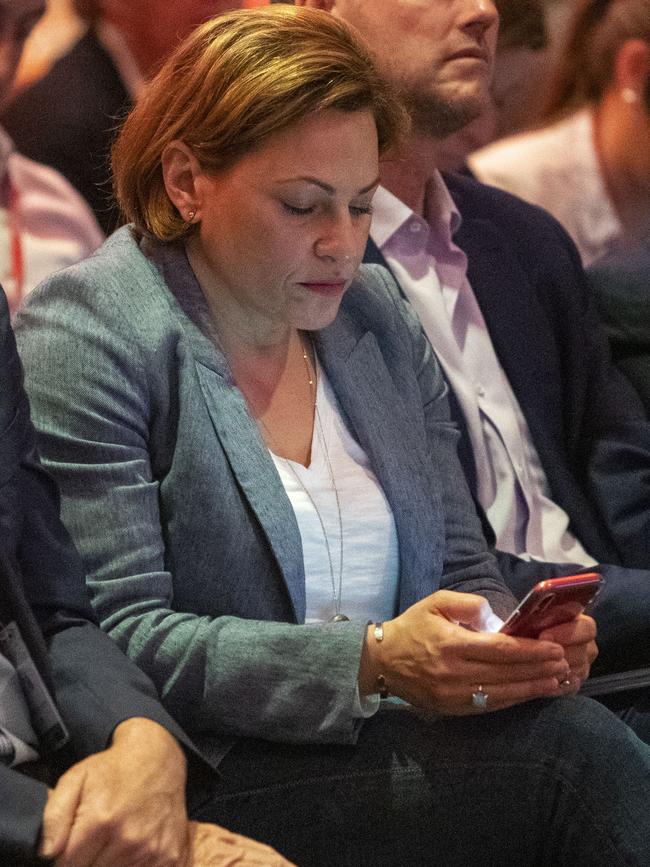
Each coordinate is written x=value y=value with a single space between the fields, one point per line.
x=369 y=556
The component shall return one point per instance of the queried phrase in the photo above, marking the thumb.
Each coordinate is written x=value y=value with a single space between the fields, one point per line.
x=469 y=609
x=59 y=814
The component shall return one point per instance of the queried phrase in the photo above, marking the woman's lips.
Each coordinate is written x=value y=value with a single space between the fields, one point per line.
x=325 y=288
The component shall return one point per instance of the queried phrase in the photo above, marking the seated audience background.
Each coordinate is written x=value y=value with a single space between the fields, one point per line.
x=621 y=284
x=120 y=797
x=256 y=459
x=68 y=118
x=587 y=163
x=44 y=223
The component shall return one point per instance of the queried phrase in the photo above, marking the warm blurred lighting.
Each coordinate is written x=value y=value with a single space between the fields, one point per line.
x=54 y=34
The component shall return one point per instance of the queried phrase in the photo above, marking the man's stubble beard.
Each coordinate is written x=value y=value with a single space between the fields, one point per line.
x=436 y=117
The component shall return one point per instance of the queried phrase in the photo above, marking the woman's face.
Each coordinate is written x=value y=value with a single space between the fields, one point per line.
x=282 y=233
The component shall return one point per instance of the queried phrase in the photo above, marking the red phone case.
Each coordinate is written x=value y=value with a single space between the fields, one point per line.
x=551 y=602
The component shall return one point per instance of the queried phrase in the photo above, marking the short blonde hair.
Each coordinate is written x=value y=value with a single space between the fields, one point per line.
x=235 y=81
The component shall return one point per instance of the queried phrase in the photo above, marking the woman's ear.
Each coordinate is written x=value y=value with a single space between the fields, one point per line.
x=181 y=170
x=632 y=69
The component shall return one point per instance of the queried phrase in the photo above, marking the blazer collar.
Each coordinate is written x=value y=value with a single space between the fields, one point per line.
x=234 y=427
x=502 y=289
x=373 y=409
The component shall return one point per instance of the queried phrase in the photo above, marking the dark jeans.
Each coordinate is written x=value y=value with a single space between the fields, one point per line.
x=548 y=783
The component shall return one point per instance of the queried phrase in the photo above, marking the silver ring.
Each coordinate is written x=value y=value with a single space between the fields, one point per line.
x=480 y=698
x=565 y=682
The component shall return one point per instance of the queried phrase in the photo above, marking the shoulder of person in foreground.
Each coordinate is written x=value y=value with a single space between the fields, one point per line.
x=96 y=687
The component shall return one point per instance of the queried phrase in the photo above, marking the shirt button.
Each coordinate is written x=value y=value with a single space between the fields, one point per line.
x=415 y=227
x=480 y=390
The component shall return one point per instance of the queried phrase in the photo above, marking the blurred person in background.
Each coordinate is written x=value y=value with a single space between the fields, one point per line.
x=68 y=118
x=44 y=223
x=621 y=285
x=588 y=163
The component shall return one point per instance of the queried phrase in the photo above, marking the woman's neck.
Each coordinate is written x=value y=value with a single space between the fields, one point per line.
x=615 y=140
x=241 y=331
x=272 y=365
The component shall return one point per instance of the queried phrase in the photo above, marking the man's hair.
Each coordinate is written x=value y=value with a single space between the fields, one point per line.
x=237 y=80
x=89 y=10
x=586 y=66
x=522 y=24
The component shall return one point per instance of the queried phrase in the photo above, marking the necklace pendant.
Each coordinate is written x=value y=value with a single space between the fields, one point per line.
x=339 y=618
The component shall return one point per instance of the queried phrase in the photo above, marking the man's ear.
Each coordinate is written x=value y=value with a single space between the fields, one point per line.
x=180 y=169
x=326 y=5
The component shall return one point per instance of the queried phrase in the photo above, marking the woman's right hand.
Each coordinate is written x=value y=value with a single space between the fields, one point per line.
x=432 y=658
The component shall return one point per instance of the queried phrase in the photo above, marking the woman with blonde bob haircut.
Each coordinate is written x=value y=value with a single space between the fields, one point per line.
x=224 y=97
x=253 y=444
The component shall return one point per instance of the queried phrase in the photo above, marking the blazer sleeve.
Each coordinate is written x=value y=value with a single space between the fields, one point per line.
x=95 y=685
x=92 y=403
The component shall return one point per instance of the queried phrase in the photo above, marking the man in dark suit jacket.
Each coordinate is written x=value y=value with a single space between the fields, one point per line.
x=122 y=789
x=586 y=423
x=68 y=118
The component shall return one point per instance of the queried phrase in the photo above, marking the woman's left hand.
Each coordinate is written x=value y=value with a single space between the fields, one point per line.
x=578 y=637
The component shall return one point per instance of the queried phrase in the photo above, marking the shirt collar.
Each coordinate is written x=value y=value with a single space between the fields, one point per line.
x=390 y=214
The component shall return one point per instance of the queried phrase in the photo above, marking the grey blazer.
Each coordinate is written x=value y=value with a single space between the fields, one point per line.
x=190 y=543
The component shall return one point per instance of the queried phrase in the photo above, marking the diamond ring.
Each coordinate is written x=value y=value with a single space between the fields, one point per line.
x=480 y=699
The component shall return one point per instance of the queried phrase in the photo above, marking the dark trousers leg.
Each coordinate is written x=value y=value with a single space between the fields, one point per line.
x=548 y=783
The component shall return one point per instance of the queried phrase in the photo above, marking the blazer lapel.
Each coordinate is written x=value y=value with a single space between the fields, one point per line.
x=236 y=431
x=377 y=416
x=256 y=476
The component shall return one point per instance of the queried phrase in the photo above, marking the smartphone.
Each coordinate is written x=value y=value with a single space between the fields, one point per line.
x=551 y=602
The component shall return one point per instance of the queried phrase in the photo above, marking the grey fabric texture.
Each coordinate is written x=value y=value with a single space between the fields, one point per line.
x=188 y=538
x=7 y=751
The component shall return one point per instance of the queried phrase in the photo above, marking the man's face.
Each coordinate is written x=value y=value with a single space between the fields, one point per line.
x=439 y=53
x=17 y=19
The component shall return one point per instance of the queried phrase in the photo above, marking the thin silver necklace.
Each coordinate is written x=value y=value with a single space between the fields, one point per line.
x=337 y=586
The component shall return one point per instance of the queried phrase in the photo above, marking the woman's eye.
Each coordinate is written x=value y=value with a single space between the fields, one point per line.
x=300 y=212
x=358 y=211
